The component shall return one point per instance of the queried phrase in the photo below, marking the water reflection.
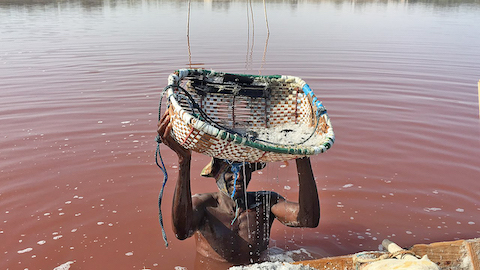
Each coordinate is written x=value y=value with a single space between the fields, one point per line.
x=217 y=5
x=79 y=87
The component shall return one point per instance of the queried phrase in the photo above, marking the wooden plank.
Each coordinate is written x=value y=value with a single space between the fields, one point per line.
x=448 y=255
x=337 y=263
x=473 y=248
x=461 y=254
x=346 y=262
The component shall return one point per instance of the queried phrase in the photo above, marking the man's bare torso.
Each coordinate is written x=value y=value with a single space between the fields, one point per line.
x=242 y=241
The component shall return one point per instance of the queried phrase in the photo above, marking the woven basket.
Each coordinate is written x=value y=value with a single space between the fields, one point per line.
x=246 y=117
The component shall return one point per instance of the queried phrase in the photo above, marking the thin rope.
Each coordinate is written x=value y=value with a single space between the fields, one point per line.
x=248 y=39
x=264 y=57
x=188 y=35
x=246 y=198
x=161 y=165
x=235 y=169
x=266 y=19
x=237 y=211
x=253 y=31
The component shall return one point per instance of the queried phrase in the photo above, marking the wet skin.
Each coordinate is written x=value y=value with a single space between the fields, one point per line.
x=220 y=242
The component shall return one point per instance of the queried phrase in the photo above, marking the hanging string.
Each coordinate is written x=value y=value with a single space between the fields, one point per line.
x=235 y=170
x=266 y=19
x=237 y=211
x=253 y=31
x=266 y=39
x=188 y=36
x=161 y=165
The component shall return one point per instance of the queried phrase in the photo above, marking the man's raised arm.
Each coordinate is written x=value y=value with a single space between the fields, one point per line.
x=183 y=216
x=305 y=213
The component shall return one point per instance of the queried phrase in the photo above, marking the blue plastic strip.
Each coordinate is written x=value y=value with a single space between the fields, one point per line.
x=320 y=108
x=307 y=90
x=161 y=165
x=235 y=170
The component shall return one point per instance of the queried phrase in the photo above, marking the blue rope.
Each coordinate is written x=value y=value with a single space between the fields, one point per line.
x=161 y=165
x=235 y=169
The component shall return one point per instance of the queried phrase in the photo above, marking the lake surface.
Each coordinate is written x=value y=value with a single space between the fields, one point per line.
x=80 y=83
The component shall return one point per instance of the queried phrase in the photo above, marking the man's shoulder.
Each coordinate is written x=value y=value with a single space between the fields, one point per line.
x=204 y=198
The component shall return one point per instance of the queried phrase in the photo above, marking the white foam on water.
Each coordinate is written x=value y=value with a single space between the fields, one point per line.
x=64 y=266
x=348 y=185
x=41 y=242
x=129 y=253
x=431 y=209
x=25 y=250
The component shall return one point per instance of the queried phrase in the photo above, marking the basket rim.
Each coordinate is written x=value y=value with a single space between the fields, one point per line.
x=175 y=78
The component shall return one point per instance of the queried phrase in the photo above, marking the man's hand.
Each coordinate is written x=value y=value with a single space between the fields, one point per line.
x=164 y=130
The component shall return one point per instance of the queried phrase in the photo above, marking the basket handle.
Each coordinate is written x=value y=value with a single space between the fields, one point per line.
x=177 y=76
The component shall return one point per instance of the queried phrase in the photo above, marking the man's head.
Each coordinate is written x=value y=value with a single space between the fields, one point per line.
x=225 y=174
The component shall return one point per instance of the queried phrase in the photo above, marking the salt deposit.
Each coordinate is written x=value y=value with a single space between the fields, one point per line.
x=64 y=266
x=272 y=266
x=289 y=134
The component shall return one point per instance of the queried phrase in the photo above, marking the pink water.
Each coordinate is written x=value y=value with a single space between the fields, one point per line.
x=79 y=89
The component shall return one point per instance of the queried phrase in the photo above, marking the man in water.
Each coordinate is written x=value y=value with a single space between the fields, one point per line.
x=232 y=226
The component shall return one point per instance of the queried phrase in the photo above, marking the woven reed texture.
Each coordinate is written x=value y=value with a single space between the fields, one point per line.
x=286 y=103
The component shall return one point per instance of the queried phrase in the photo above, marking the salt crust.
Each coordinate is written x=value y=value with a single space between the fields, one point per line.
x=272 y=266
x=290 y=134
x=279 y=259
